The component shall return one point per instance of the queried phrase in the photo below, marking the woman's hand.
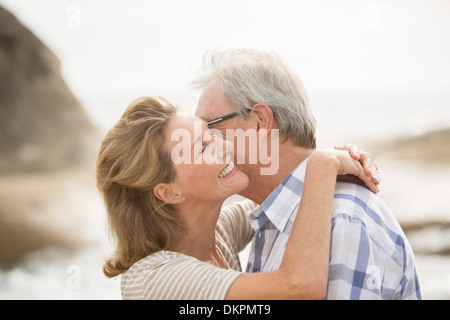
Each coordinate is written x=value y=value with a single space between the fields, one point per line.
x=366 y=160
x=348 y=163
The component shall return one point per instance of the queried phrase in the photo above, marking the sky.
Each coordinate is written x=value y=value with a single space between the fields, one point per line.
x=134 y=42
x=350 y=46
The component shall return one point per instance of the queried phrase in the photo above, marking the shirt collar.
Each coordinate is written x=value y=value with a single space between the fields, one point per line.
x=282 y=202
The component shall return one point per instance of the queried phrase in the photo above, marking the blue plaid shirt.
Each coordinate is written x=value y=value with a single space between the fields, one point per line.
x=370 y=257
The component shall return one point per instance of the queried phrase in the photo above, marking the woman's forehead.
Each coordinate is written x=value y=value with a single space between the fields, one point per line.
x=185 y=126
x=188 y=116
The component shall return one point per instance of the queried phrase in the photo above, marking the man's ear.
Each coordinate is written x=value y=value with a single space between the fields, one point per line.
x=165 y=193
x=263 y=115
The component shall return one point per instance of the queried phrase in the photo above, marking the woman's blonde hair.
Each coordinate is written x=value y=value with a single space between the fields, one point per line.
x=132 y=160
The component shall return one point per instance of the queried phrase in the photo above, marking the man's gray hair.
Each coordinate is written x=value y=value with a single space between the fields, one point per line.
x=247 y=77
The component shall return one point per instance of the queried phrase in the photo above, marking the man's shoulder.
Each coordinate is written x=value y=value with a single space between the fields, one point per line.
x=356 y=192
x=361 y=214
x=357 y=201
x=356 y=204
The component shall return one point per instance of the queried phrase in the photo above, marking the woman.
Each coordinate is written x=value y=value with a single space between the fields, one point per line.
x=173 y=241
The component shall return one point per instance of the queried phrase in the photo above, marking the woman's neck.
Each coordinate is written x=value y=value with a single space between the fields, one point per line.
x=199 y=239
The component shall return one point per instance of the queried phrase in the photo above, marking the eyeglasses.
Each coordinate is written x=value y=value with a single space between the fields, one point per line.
x=222 y=118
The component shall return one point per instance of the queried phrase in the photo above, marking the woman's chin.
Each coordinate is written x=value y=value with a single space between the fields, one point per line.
x=240 y=183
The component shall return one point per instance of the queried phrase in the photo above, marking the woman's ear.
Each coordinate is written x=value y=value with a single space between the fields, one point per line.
x=264 y=116
x=165 y=193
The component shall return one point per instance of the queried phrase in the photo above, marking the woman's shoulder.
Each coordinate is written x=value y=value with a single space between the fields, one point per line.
x=136 y=279
x=238 y=207
x=236 y=214
x=234 y=231
x=156 y=260
x=158 y=276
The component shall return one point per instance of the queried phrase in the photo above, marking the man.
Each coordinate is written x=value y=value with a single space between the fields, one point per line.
x=249 y=90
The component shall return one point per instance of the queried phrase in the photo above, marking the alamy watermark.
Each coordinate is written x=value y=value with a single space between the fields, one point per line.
x=73 y=281
x=211 y=146
x=73 y=21
x=373 y=280
x=373 y=21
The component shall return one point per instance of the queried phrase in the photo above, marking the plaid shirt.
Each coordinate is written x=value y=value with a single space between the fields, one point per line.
x=370 y=257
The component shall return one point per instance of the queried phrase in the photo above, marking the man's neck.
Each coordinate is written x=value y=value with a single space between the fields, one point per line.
x=261 y=186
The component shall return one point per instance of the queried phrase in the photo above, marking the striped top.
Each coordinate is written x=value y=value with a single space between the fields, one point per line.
x=169 y=275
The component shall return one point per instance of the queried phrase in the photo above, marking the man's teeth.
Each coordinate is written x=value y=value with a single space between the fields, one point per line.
x=227 y=170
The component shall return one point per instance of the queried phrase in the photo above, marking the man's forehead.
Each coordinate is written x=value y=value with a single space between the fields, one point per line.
x=205 y=111
x=211 y=103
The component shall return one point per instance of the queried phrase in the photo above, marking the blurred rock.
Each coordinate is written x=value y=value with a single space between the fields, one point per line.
x=429 y=148
x=42 y=125
x=430 y=237
x=415 y=174
x=47 y=143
